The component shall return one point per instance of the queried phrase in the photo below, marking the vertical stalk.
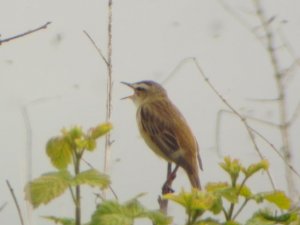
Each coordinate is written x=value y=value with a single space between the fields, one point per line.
x=109 y=85
x=77 y=191
x=282 y=103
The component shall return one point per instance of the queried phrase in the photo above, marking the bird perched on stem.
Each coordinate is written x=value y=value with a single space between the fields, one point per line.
x=164 y=129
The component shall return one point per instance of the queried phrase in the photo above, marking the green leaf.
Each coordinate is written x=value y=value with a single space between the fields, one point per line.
x=92 y=177
x=134 y=208
x=259 y=220
x=47 y=187
x=100 y=130
x=253 y=168
x=114 y=213
x=276 y=197
x=195 y=200
x=231 y=223
x=259 y=197
x=222 y=189
x=158 y=218
x=59 y=151
x=91 y=144
x=81 y=143
x=279 y=199
x=57 y=220
x=73 y=133
x=266 y=217
x=245 y=191
x=208 y=221
x=232 y=167
x=216 y=186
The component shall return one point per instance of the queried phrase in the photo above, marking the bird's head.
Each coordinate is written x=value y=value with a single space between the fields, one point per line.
x=145 y=91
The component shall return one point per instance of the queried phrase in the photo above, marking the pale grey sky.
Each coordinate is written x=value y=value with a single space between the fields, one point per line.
x=58 y=78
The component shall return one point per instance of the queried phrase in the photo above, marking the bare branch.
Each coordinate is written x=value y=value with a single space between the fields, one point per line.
x=172 y=73
x=294 y=116
x=25 y=33
x=110 y=187
x=28 y=128
x=109 y=85
x=243 y=119
x=96 y=47
x=3 y=206
x=15 y=201
x=282 y=101
x=277 y=151
x=218 y=125
x=238 y=18
x=271 y=100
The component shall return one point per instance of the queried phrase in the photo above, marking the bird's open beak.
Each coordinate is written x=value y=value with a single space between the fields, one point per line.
x=129 y=85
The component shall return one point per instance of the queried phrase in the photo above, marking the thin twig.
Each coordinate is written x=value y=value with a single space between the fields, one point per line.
x=109 y=86
x=263 y=100
x=243 y=119
x=238 y=18
x=282 y=103
x=3 y=206
x=96 y=47
x=268 y=43
x=28 y=128
x=218 y=125
x=277 y=152
x=110 y=187
x=16 y=202
x=25 y=33
x=108 y=62
x=72 y=194
x=240 y=209
x=294 y=116
x=175 y=70
x=287 y=46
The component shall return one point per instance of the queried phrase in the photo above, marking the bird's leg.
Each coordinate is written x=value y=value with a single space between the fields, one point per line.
x=169 y=169
x=171 y=175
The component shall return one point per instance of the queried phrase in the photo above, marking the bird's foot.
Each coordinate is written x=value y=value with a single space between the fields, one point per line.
x=167 y=187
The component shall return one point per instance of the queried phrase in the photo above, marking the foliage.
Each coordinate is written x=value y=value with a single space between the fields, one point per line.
x=65 y=150
x=229 y=199
x=114 y=213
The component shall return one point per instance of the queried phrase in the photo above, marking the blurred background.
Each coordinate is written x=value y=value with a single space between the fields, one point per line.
x=54 y=78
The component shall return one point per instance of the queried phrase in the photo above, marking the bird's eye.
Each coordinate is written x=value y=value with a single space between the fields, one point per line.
x=140 y=89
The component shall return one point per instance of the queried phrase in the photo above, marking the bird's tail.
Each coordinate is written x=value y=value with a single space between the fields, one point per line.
x=191 y=168
x=194 y=179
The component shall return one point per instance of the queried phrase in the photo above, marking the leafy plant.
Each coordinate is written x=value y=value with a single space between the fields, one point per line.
x=230 y=199
x=64 y=150
x=114 y=213
x=67 y=149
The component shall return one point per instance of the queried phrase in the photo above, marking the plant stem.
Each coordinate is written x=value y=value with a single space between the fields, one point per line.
x=109 y=85
x=25 y=33
x=77 y=191
x=231 y=208
x=16 y=202
x=282 y=103
x=234 y=111
x=240 y=209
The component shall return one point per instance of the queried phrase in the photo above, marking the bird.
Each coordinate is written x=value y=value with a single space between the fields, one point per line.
x=164 y=129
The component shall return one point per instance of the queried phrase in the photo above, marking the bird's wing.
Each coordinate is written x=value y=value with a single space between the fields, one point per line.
x=198 y=156
x=155 y=123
